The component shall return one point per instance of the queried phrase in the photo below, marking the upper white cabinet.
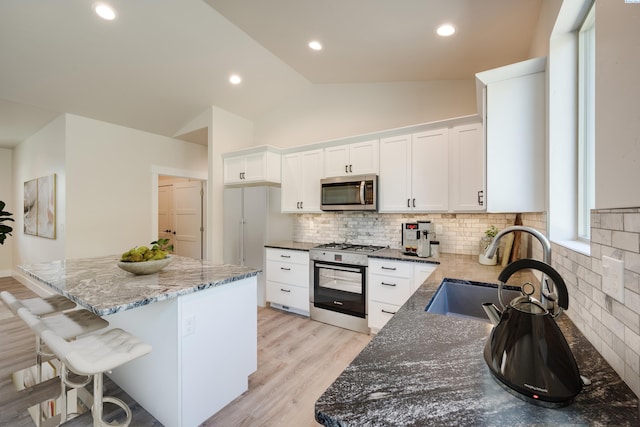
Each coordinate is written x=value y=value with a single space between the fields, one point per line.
x=301 y=174
x=359 y=158
x=512 y=99
x=414 y=172
x=466 y=168
x=252 y=167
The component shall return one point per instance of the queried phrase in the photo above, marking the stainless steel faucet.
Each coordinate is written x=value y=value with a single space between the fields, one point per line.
x=547 y=296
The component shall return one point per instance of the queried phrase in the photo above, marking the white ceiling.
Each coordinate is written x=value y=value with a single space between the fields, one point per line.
x=163 y=62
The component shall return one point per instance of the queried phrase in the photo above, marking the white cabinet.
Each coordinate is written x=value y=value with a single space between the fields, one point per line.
x=390 y=285
x=512 y=99
x=414 y=172
x=466 y=168
x=359 y=158
x=250 y=168
x=287 y=274
x=301 y=174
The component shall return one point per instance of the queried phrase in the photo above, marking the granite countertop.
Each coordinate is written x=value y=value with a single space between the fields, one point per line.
x=100 y=286
x=294 y=246
x=428 y=369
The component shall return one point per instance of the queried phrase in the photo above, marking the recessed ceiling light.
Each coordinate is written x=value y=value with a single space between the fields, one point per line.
x=235 y=79
x=105 y=11
x=315 y=45
x=445 y=30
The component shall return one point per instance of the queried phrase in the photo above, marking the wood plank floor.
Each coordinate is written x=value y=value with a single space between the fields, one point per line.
x=297 y=360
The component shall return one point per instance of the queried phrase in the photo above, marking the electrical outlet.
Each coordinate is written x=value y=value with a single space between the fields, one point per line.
x=613 y=277
x=188 y=325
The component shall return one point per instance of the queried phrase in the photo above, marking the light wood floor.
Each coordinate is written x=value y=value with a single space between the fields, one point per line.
x=297 y=360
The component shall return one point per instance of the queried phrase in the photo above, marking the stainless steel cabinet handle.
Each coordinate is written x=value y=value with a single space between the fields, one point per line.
x=388 y=312
x=285 y=268
x=338 y=303
x=388 y=268
x=285 y=290
x=387 y=284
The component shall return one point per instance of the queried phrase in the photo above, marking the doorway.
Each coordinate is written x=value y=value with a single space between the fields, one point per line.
x=181 y=213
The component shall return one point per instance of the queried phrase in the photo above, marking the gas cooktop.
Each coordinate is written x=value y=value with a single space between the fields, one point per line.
x=348 y=247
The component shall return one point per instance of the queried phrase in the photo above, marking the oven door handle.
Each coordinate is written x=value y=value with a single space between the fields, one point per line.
x=362 y=187
x=337 y=267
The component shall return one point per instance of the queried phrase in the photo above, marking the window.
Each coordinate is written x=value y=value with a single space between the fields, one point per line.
x=586 y=123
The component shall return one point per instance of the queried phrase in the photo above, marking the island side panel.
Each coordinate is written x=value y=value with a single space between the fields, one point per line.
x=220 y=350
x=204 y=349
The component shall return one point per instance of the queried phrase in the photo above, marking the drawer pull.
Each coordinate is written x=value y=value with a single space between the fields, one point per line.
x=285 y=256
x=387 y=312
x=338 y=303
x=388 y=268
x=285 y=268
x=285 y=290
x=387 y=284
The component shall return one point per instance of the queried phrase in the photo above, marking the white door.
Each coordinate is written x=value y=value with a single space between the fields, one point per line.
x=187 y=197
x=291 y=183
x=467 y=168
x=364 y=157
x=311 y=172
x=394 y=186
x=336 y=161
x=165 y=212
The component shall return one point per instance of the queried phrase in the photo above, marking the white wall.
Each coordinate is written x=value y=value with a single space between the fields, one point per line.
x=227 y=132
x=109 y=171
x=39 y=155
x=617 y=112
x=6 y=195
x=332 y=111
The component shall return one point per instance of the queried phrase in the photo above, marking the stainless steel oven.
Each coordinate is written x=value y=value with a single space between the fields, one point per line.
x=338 y=295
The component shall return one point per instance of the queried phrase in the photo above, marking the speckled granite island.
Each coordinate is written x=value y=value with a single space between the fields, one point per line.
x=200 y=319
x=426 y=369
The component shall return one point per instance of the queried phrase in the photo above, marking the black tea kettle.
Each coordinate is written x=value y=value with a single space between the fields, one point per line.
x=526 y=351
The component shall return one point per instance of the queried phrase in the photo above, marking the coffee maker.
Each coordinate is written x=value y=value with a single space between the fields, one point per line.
x=416 y=237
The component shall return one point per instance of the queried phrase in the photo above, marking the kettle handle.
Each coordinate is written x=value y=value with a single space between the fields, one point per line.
x=521 y=264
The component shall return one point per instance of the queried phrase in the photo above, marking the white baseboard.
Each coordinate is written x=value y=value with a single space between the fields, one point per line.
x=5 y=273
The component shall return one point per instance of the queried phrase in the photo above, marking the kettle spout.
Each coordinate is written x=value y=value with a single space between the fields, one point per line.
x=492 y=312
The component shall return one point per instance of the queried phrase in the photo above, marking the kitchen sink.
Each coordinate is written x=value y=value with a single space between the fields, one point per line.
x=464 y=298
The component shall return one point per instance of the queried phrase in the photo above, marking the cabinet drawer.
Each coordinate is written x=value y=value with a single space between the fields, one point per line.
x=287 y=295
x=379 y=314
x=391 y=268
x=389 y=289
x=286 y=272
x=296 y=257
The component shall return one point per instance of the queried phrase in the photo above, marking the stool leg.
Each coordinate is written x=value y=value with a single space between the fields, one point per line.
x=99 y=400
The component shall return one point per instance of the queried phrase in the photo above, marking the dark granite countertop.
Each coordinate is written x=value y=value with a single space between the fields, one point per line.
x=294 y=246
x=428 y=369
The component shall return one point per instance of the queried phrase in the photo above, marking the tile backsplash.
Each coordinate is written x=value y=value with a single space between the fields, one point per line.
x=457 y=233
x=612 y=327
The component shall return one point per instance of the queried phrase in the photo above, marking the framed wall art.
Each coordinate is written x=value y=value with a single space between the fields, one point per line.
x=40 y=207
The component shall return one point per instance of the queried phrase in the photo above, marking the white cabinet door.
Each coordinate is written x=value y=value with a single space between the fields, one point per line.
x=336 y=160
x=233 y=169
x=364 y=157
x=421 y=272
x=430 y=171
x=311 y=172
x=467 y=168
x=359 y=158
x=255 y=167
x=394 y=185
x=301 y=174
x=290 y=187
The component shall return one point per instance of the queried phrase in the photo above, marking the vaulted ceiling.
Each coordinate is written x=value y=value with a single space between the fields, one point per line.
x=159 y=64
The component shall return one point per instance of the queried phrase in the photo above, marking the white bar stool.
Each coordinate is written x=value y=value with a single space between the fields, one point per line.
x=93 y=355
x=39 y=306
x=68 y=325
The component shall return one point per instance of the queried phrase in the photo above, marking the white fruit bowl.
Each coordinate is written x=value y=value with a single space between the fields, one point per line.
x=144 y=267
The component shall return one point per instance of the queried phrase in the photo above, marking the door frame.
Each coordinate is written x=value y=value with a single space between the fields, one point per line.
x=156 y=171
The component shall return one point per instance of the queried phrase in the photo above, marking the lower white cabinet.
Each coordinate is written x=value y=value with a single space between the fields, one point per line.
x=391 y=283
x=287 y=277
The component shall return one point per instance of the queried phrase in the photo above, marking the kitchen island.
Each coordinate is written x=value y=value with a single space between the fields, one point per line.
x=200 y=319
x=428 y=369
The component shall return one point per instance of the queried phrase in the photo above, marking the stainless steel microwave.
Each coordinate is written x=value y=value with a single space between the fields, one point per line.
x=349 y=193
